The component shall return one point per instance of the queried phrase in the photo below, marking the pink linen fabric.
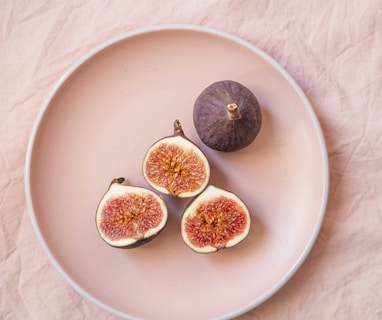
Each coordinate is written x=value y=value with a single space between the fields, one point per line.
x=333 y=49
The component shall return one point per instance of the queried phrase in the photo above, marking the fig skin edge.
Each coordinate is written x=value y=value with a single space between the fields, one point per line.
x=227 y=116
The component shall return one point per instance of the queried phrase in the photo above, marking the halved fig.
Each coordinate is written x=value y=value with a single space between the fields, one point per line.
x=227 y=116
x=174 y=165
x=214 y=220
x=129 y=216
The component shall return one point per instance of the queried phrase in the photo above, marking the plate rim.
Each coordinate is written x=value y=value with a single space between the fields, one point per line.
x=176 y=27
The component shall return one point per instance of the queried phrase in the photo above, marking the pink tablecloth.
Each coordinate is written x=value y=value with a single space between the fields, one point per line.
x=334 y=51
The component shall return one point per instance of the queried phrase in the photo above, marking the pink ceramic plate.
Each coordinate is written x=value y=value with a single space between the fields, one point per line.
x=97 y=124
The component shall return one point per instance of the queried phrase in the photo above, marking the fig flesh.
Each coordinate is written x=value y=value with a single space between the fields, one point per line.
x=129 y=216
x=227 y=116
x=175 y=166
x=214 y=220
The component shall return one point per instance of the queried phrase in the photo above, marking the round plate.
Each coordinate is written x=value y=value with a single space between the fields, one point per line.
x=97 y=124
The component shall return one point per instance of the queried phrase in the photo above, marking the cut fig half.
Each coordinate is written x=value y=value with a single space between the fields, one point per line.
x=129 y=216
x=175 y=166
x=214 y=220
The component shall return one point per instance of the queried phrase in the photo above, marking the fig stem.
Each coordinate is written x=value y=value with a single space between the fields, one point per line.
x=177 y=126
x=118 y=180
x=233 y=111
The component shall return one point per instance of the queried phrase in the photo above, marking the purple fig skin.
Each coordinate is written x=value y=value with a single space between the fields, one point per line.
x=225 y=130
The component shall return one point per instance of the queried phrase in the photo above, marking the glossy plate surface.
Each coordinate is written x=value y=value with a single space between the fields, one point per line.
x=97 y=124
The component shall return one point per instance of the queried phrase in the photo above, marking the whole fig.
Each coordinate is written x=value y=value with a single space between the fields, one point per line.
x=227 y=116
